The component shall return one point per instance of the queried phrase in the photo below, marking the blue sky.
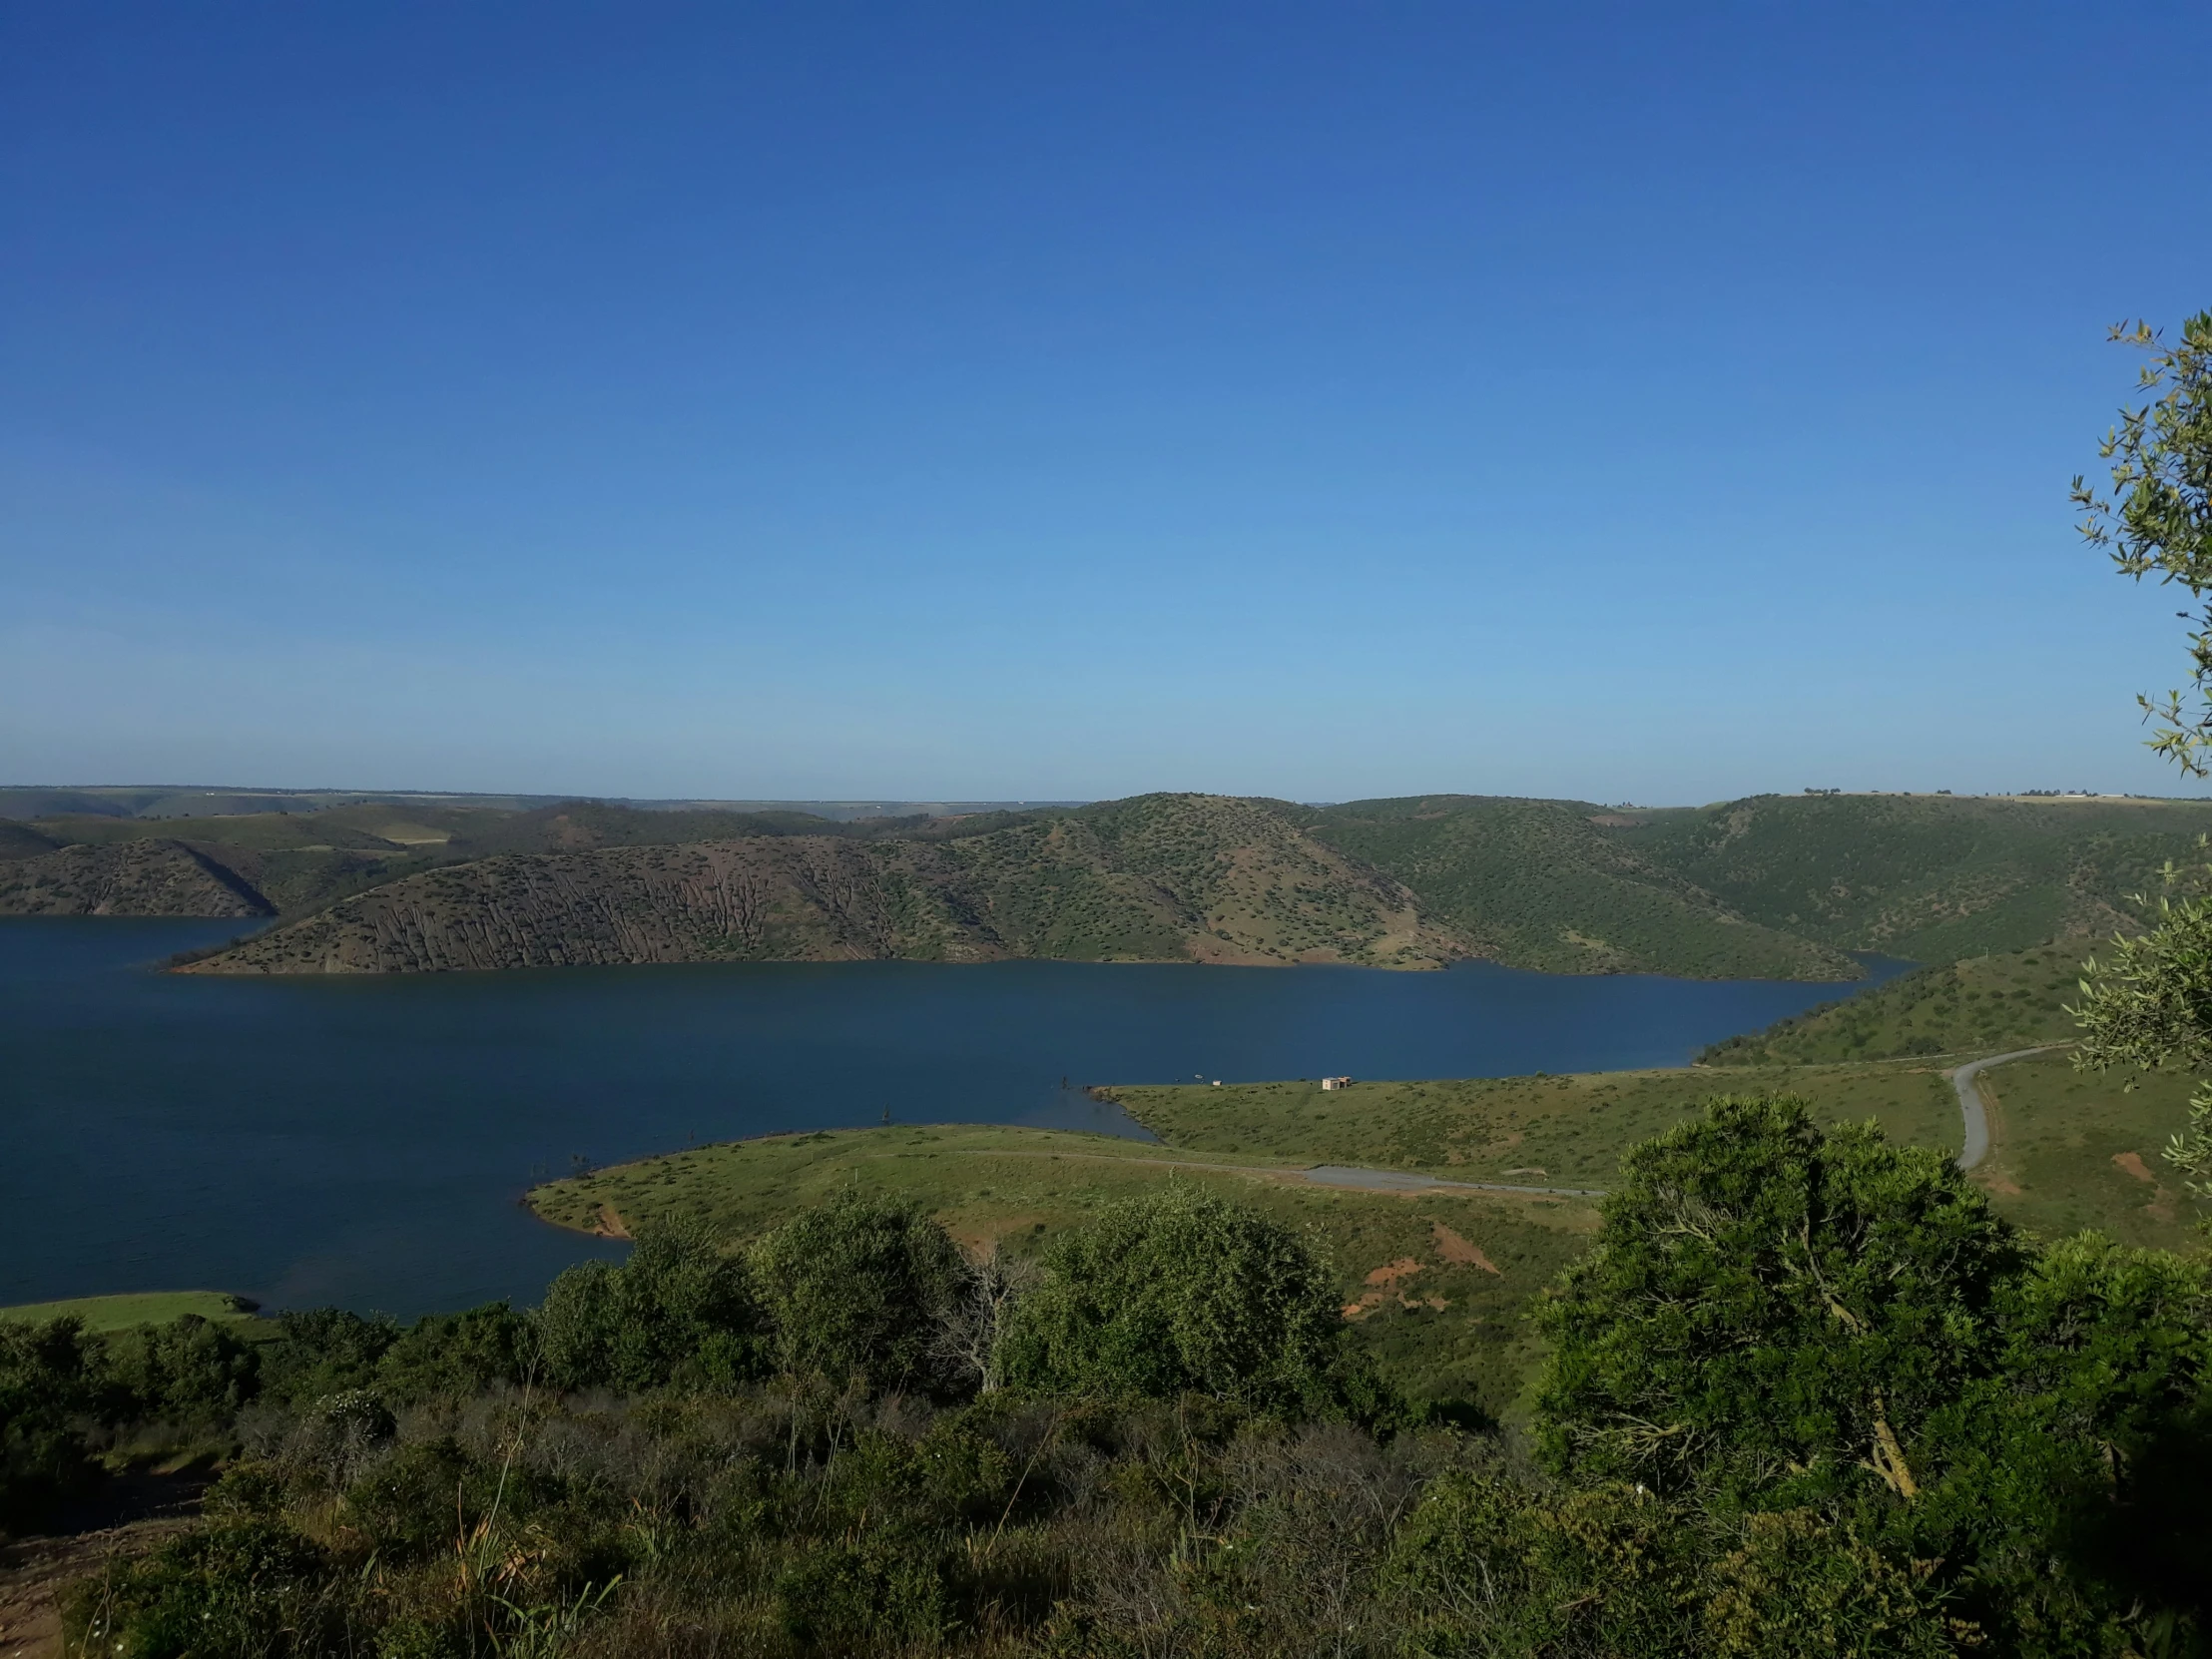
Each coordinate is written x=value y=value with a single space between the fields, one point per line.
x=1636 y=402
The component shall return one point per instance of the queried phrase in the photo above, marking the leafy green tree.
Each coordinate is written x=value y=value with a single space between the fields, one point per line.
x=2157 y=521
x=459 y=1354
x=679 y=1310
x=2149 y=1001
x=50 y=1377
x=323 y=1351
x=191 y=1370
x=2146 y=1004
x=1779 y=1318
x=1772 y=1309
x=1181 y=1291
x=860 y=1287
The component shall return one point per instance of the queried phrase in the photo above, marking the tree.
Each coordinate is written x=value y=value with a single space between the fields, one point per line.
x=1781 y=1319
x=2158 y=519
x=51 y=1377
x=1181 y=1291
x=2149 y=1002
x=1772 y=1312
x=860 y=1287
x=677 y=1310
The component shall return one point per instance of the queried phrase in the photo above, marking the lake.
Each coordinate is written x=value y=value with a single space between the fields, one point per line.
x=367 y=1141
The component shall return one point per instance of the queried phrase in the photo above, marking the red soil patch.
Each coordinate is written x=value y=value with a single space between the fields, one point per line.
x=2132 y=1163
x=1458 y=1252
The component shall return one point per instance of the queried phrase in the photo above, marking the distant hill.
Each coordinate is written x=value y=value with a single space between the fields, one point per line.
x=141 y=879
x=1161 y=878
x=1780 y=887
x=1553 y=884
x=1931 y=878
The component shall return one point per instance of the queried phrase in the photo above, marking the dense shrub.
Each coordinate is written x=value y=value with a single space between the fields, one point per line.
x=190 y=1371
x=1779 y=1318
x=677 y=1310
x=458 y=1353
x=250 y=1587
x=1181 y=1292
x=1808 y=1397
x=321 y=1351
x=859 y=1288
x=52 y=1378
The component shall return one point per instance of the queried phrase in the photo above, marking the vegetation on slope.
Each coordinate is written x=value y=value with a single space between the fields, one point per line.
x=1435 y=1281
x=1931 y=878
x=1807 y=1395
x=1775 y=886
x=1163 y=878
x=1979 y=1005
x=1551 y=884
x=141 y=879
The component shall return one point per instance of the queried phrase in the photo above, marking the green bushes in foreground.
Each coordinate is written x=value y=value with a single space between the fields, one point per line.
x=1808 y=1395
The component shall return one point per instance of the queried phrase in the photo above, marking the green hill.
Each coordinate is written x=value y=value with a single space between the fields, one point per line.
x=1773 y=886
x=1977 y=1005
x=1933 y=878
x=1157 y=878
x=1551 y=885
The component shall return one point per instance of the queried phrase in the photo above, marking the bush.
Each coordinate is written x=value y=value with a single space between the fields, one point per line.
x=1180 y=1292
x=859 y=1288
x=252 y=1587
x=456 y=1355
x=190 y=1371
x=52 y=1377
x=677 y=1312
x=323 y=1351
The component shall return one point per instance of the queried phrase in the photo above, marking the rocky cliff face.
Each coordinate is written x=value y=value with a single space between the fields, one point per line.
x=129 y=878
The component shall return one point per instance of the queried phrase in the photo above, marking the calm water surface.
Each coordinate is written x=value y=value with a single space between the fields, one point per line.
x=365 y=1140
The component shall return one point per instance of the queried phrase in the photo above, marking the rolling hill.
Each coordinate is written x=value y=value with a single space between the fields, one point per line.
x=1931 y=878
x=1551 y=885
x=1779 y=886
x=141 y=879
x=1168 y=878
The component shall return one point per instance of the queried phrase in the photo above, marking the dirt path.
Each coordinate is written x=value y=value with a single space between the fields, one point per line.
x=1329 y=1174
x=35 y=1572
x=1974 y=1109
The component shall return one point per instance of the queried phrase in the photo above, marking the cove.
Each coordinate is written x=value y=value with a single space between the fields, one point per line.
x=367 y=1141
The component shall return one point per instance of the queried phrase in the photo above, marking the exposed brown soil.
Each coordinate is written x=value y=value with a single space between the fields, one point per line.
x=1458 y=1252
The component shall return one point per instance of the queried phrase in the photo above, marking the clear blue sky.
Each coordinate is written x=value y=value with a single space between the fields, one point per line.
x=1634 y=402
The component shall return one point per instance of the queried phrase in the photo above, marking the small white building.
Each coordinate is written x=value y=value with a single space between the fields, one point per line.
x=1336 y=1082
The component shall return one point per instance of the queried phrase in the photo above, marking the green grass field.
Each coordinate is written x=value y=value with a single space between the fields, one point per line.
x=120 y=1313
x=1558 y=1131
x=2072 y=1151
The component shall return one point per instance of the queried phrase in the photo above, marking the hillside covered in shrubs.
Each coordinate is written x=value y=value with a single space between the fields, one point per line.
x=1808 y=1395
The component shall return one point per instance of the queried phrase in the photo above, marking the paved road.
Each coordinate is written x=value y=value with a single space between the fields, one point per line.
x=1970 y=1105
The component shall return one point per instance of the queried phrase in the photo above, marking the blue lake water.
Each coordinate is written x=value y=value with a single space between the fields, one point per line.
x=365 y=1140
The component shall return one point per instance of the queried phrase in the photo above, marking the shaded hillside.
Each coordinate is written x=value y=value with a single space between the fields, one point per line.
x=1977 y=1005
x=1933 y=877
x=1162 y=879
x=1547 y=885
x=19 y=841
x=141 y=879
